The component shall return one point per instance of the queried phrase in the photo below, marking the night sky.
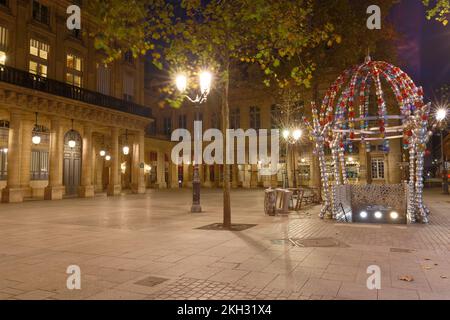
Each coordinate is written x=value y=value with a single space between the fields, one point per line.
x=424 y=52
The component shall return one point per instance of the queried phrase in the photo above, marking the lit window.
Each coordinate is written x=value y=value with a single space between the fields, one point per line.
x=3 y=44
x=39 y=165
x=74 y=74
x=38 y=57
x=377 y=168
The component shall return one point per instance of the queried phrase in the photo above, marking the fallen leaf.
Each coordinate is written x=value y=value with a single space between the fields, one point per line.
x=427 y=259
x=406 y=278
x=436 y=264
x=427 y=267
x=444 y=277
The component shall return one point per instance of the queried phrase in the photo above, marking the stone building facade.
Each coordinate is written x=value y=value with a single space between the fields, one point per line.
x=54 y=85
x=256 y=108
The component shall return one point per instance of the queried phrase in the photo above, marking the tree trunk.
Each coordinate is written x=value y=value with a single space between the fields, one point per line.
x=226 y=167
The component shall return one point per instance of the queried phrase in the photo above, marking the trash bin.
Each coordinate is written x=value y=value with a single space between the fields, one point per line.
x=270 y=202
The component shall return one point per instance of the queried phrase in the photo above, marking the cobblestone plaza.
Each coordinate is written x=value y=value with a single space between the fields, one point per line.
x=148 y=247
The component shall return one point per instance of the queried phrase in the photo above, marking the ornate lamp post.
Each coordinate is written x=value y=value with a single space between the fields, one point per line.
x=441 y=116
x=291 y=137
x=181 y=81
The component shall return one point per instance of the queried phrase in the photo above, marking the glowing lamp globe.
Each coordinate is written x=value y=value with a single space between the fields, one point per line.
x=297 y=134
x=205 y=81
x=72 y=143
x=441 y=114
x=36 y=139
x=108 y=157
x=285 y=134
x=102 y=153
x=181 y=82
x=126 y=150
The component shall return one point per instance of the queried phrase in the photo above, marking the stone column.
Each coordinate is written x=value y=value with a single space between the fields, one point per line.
x=25 y=163
x=246 y=175
x=86 y=189
x=137 y=164
x=207 y=182
x=173 y=175
x=114 y=187
x=55 y=189
x=186 y=177
x=253 y=176
x=235 y=175
x=217 y=175
x=141 y=180
x=13 y=192
x=161 y=173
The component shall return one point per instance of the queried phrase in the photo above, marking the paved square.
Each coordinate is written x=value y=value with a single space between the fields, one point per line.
x=124 y=245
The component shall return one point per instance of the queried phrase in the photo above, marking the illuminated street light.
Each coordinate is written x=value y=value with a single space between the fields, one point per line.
x=441 y=114
x=297 y=134
x=107 y=157
x=205 y=81
x=378 y=214
x=36 y=138
x=126 y=148
x=102 y=153
x=72 y=143
x=181 y=82
x=363 y=214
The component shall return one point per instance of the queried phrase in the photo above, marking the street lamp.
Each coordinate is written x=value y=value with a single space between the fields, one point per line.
x=291 y=137
x=102 y=152
x=72 y=143
x=181 y=82
x=126 y=148
x=36 y=138
x=441 y=116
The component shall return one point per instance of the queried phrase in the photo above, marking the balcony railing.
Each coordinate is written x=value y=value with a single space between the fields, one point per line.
x=28 y=80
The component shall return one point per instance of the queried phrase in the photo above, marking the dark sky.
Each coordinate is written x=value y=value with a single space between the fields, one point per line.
x=424 y=52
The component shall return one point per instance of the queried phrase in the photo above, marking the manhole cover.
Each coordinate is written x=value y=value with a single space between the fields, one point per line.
x=318 y=242
x=150 y=281
x=234 y=227
x=401 y=250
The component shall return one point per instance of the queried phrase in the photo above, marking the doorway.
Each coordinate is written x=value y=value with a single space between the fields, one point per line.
x=72 y=163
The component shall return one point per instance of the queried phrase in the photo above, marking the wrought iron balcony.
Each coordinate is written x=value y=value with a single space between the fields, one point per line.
x=31 y=81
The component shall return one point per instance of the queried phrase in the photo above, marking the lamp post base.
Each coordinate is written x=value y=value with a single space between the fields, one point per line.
x=196 y=208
